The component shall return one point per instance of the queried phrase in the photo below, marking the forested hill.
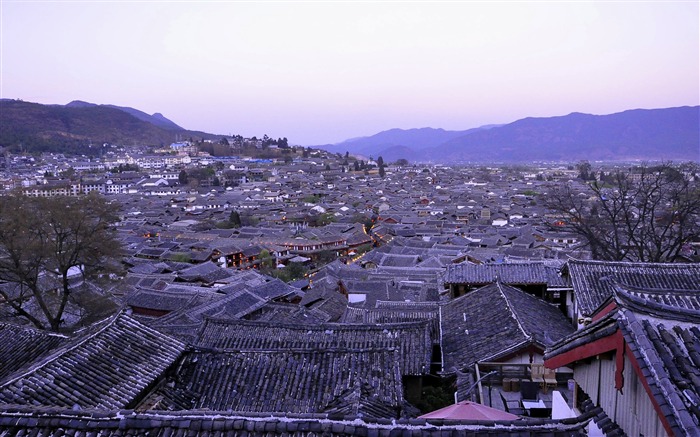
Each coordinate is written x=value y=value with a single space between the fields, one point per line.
x=75 y=127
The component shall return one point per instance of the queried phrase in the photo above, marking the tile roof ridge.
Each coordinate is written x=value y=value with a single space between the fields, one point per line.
x=608 y=323
x=624 y=298
x=511 y=308
x=318 y=327
x=199 y=309
x=393 y=349
x=635 y=263
x=33 y=330
x=507 y=351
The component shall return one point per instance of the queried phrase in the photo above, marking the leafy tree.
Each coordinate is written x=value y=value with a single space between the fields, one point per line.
x=44 y=240
x=249 y=220
x=125 y=167
x=326 y=257
x=201 y=174
x=646 y=214
x=584 y=171
x=293 y=271
x=382 y=173
x=357 y=166
x=235 y=219
x=380 y=161
x=69 y=173
x=267 y=261
x=183 y=177
x=402 y=162
x=181 y=257
x=323 y=219
x=311 y=198
x=224 y=224
x=434 y=397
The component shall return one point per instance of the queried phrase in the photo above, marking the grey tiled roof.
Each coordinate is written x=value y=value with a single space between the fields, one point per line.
x=273 y=289
x=20 y=345
x=495 y=321
x=411 y=339
x=325 y=299
x=207 y=272
x=169 y=300
x=397 y=312
x=153 y=281
x=186 y=322
x=108 y=367
x=16 y=421
x=665 y=341
x=591 y=290
x=520 y=273
x=283 y=312
x=293 y=381
x=602 y=420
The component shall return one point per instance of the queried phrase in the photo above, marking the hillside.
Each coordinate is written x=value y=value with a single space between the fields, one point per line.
x=645 y=134
x=156 y=119
x=656 y=134
x=72 y=128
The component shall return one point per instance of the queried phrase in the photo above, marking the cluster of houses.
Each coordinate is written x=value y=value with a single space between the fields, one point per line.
x=422 y=282
x=254 y=352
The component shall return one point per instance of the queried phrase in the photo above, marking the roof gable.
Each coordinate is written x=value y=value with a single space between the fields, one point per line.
x=494 y=321
x=662 y=339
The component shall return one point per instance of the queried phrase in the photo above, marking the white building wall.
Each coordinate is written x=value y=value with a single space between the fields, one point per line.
x=632 y=408
x=587 y=377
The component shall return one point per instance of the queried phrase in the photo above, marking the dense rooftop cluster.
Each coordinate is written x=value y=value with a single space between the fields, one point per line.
x=306 y=298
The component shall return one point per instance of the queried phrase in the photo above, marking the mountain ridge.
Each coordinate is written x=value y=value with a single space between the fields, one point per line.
x=79 y=127
x=156 y=119
x=635 y=134
x=415 y=139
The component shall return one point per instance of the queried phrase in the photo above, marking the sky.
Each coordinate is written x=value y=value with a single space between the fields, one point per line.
x=320 y=72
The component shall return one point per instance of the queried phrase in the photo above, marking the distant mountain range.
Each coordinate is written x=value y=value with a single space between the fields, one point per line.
x=646 y=134
x=75 y=127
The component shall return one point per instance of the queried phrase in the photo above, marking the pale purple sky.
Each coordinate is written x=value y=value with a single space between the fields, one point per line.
x=322 y=72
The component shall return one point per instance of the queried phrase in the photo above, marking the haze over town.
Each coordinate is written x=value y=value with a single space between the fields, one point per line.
x=323 y=72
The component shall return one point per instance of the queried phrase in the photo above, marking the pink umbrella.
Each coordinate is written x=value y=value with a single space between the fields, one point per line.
x=467 y=410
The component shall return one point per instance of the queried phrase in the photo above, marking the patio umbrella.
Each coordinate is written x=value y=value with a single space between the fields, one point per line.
x=467 y=410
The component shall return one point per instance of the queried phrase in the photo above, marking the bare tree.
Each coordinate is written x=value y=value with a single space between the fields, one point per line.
x=44 y=240
x=647 y=214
